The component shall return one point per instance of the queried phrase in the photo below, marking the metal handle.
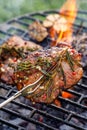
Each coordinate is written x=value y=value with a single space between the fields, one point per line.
x=9 y=100
x=22 y=92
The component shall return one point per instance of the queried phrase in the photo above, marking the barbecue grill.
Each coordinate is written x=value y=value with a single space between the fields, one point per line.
x=21 y=114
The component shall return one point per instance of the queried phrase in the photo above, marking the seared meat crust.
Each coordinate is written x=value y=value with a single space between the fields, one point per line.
x=59 y=66
x=66 y=72
x=11 y=53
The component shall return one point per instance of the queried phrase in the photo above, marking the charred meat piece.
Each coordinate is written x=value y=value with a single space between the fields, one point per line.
x=11 y=53
x=61 y=69
x=37 y=31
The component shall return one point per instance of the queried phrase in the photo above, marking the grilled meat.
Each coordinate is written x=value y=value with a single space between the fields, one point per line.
x=61 y=69
x=59 y=66
x=37 y=31
x=20 y=44
x=11 y=53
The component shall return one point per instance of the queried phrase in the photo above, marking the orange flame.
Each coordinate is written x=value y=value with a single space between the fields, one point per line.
x=67 y=95
x=68 y=14
x=69 y=10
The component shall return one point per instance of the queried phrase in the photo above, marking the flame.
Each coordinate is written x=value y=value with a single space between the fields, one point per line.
x=68 y=14
x=67 y=95
x=69 y=10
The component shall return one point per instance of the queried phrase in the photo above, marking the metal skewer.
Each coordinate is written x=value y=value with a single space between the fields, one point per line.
x=19 y=93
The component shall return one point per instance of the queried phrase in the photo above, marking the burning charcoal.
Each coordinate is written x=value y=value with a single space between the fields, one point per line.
x=4 y=115
x=66 y=127
x=16 y=121
x=38 y=117
x=25 y=101
x=5 y=127
x=37 y=31
x=76 y=121
x=13 y=106
x=40 y=128
x=9 y=105
x=73 y=121
x=73 y=108
x=56 y=113
x=31 y=126
x=24 y=112
x=3 y=92
x=84 y=114
x=1 y=100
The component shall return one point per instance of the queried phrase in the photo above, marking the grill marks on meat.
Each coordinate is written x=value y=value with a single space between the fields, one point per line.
x=11 y=53
x=65 y=74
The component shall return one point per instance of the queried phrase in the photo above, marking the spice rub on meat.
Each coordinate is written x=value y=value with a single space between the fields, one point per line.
x=11 y=53
x=37 y=31
x=21 y=65
x=67 y=72
x=20 y=44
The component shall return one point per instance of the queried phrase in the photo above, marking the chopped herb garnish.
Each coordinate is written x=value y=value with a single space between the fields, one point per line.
x=70 y=60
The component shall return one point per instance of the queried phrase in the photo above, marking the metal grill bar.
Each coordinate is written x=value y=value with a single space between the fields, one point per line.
x=64 y=114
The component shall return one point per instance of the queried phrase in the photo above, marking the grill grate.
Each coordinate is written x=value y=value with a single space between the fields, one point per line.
x=72 y=115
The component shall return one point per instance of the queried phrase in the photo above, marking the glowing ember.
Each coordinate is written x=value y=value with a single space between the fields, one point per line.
x=57 y=102
x=67 y=95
